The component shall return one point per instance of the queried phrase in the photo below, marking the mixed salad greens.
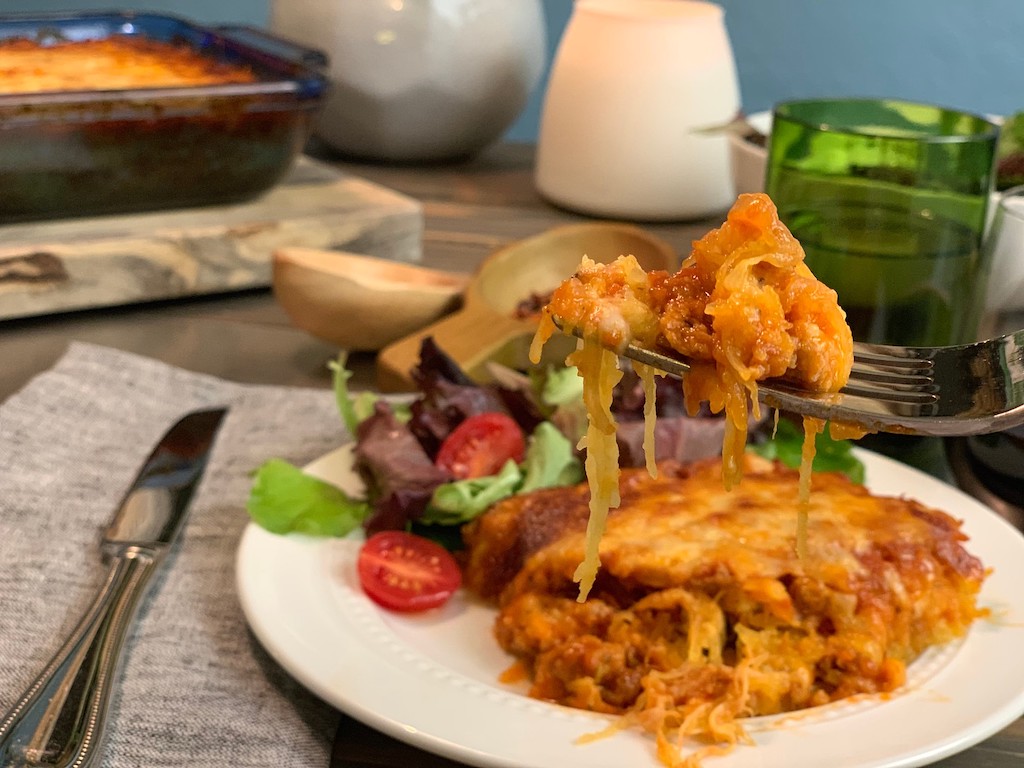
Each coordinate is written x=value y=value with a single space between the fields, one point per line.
x=438 y=460
x=435 y=462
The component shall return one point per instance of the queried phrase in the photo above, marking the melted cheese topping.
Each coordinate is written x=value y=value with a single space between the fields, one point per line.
x=113 y=63
x=743 y=307
x=703 y=614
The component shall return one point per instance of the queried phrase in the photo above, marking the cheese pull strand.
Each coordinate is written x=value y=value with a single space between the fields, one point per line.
x=599 y=369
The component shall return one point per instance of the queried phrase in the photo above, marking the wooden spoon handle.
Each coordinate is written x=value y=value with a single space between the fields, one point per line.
x=471 y=336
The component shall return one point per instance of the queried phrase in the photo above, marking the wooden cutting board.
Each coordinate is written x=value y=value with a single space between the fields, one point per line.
x=58 y=266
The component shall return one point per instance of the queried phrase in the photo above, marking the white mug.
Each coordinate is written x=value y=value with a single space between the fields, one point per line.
x=1005 y=243
x=633 y=85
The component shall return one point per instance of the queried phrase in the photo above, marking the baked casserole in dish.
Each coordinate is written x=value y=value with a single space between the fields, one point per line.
x=121 y=112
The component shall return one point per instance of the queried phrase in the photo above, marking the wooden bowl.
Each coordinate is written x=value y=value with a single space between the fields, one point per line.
x=486 y=327
x=360 y=302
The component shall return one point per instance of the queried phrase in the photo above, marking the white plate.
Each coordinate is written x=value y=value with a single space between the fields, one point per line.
x=432 y=680
x=747 y=159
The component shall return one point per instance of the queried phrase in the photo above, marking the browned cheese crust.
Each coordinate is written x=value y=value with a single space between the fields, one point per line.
x=113 y=63
x=697 y=583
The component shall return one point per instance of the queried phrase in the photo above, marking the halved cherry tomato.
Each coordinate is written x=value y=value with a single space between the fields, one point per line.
x=405 y=572
x=481 y=445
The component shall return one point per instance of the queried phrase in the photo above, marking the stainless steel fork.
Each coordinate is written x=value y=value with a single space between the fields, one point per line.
x=958 y=390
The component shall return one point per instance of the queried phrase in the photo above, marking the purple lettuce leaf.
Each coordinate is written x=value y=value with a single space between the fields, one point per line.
x=399 y=475
x=447 y=397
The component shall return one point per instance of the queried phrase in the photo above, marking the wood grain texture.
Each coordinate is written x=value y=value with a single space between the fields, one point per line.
x=48 y=267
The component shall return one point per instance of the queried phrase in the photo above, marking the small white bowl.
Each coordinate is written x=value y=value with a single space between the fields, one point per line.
x=749 y=160
x=1006 y=278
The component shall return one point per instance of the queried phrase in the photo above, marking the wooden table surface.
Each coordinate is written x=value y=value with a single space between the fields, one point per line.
x=470 y=209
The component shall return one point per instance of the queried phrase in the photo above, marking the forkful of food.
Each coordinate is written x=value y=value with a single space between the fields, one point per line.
x=744 y=321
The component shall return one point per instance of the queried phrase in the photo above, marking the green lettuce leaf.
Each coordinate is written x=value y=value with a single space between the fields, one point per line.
x=558 y=392
x=284 y=499
x=829 y=455
x=460 y=501
x=354 y=408
x=550 y=460
x=561 y=386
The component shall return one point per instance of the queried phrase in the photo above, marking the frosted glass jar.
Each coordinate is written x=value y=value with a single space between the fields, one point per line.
x=417 y=80
x=632 y=85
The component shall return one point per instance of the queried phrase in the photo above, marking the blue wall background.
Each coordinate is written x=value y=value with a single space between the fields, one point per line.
x=967 y=54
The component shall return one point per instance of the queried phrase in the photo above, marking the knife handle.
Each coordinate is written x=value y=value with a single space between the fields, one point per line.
x=60 y=719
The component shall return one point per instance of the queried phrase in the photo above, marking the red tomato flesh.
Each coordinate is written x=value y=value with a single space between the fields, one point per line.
x=481 y=445
x=404 y=572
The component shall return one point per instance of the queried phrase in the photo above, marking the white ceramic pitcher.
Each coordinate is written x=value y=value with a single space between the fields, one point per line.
x=417 y=80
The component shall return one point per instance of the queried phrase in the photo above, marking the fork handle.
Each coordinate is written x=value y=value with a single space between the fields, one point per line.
x=59 y=721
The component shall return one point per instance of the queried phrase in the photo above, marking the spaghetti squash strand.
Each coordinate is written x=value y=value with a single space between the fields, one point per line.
x=648 y=380
x=812 y=428
x=600 y=371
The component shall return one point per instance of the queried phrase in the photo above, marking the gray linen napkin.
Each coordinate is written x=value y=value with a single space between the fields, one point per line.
x=197 y=689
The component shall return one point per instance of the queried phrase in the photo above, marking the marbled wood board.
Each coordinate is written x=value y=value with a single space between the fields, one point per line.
x=58 y=266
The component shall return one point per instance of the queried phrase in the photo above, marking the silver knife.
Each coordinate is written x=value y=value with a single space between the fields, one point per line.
x=60 y=720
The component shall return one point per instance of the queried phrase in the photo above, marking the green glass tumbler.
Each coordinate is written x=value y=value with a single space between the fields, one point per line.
x=888 y=199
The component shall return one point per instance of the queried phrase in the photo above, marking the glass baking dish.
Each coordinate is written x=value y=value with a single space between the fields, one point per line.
x=79 y=153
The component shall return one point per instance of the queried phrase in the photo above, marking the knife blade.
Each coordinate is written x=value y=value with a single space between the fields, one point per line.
x=61 y=718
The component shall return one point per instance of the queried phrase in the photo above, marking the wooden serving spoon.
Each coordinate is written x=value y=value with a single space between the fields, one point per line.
x=486 y=328
x=360 y=302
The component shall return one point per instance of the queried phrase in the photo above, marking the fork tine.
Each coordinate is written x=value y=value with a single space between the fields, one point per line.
x=896 y=379
x=882 y=371
x=881 y=375
x=961 y=390
x=895 y=393
x=875 y=354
